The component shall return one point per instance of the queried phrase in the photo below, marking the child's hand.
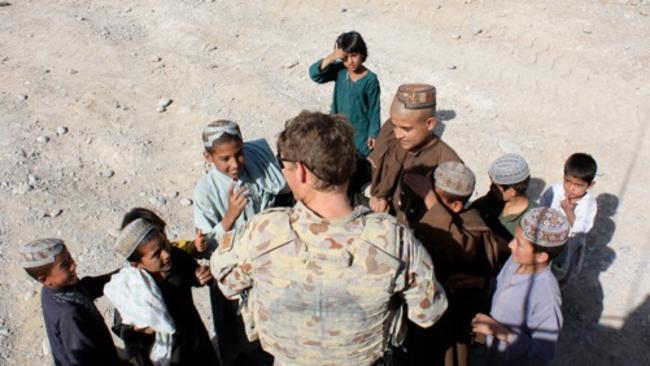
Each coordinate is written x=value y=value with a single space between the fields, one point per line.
x=203 y=275
x=146 y=330
x=567 y=205
x=371 y=143
x=486 y=325
x=200 y=244
x=237 y=201
x=338 y=53
x=378 y=204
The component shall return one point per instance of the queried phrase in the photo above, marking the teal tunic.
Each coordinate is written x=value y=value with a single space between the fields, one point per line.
x=357 y=100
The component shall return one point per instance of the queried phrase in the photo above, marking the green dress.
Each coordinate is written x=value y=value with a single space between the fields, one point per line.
x=357 y=100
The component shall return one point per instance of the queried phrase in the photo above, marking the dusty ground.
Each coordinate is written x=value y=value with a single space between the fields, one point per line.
x=542 y=78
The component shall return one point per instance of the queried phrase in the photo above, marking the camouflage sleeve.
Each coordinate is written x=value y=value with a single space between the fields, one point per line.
x=230 y=264
x=424 y=296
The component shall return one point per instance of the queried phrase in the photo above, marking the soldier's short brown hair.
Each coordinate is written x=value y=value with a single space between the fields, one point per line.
x=323 y=143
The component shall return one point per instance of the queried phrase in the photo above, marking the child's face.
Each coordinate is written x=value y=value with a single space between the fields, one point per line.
x=575 y=187
x=155 y=257
x=352 y=61
x=227 y=157
x=63 y=272
x=522 y=250
x=411 y=130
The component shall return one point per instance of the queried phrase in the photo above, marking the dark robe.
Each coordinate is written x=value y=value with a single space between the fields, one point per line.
x=191 y=344
x=490 y=207
x=75 y=328
x=390 y=162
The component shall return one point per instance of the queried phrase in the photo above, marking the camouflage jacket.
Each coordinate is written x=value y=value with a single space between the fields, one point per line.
x=323 y=292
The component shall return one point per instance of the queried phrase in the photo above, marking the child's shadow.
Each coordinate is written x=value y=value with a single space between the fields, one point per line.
x=443 y=116
x=535 y=189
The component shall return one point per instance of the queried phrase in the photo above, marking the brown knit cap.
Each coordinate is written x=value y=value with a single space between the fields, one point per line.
x=132 y=235
x=417 y=96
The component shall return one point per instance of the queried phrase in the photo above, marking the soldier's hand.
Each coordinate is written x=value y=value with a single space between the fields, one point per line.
x=203 y=275
x=378 y=204
x=200 y=245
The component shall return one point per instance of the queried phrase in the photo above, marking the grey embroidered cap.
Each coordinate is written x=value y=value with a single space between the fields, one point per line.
x=509 y=169
x=455 y=178
x=131 y=236
x=545 y=227
x=40 y=252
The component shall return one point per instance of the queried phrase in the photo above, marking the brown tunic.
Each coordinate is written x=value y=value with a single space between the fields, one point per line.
x=390 y=162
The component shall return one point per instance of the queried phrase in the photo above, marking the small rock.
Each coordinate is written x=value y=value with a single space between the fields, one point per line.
x=22 y=97
x=108 y=173
x=22 y=189
x=162 y=201
x=455 y=36
x=153 y=200
x=163 y=104
x=4 y=3
x=156 y=59
x=451 y=67
x=61 y=130
x=291 y=65
x=186 y=202
x=113 y=232
x=586 y=30
x=73 y=72
x=82 y=19
x=477 y=31
x=46 y=347
x=344 y=10
x=127 y=10
x=42 y=139
x=173 y=194
x=55 y=212
x=32 y=179
x=29 y=295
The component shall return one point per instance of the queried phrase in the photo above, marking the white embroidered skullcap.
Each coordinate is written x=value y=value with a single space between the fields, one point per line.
x=41 y=252
x=214 y=132
x=132 y=235
x=509 y=169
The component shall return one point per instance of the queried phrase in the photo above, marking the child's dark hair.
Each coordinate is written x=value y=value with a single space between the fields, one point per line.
x=352 y=42
x=552 y=252
x=454 y=197
x=224 y=138
x=520 y=187
x=581 y=166
x=40 y=271
x=145 y=214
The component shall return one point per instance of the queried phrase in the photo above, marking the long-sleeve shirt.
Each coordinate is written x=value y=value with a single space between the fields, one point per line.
x=529 y=305
x=323 y=291
x=390 y=162
x=75 y=328
x=357 y=100
x=570 y=260
x=262 y=177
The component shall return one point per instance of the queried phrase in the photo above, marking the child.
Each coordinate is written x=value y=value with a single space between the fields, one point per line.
x=406 y=144
x=525 y=319
x=244 y=180
x=154 y=296
x=356 y=89
x=506 y=202
x=75 y=328
x=465 y=259
x=572 y=197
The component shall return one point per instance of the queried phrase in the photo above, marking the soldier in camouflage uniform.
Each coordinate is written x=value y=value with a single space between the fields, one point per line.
x=323 y=283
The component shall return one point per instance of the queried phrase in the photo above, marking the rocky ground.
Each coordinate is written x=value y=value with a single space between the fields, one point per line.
x=102 y=104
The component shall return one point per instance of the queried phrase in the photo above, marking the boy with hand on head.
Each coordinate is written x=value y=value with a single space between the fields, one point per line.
x=406 y=144
x=526 y=318
x=506 y=202
x=153 y=295
x=464 y=254
x=75 y=328
x=356 y=89
x=573 y=199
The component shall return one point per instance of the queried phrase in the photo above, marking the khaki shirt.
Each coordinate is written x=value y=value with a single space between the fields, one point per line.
x=323 y=292
x=390 y=162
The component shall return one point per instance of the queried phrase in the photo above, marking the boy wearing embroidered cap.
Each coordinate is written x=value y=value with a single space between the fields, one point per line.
x=406 y=144
x=464 y=253
x=75 y=328
x=244 y=179
x=526 y=318
x=153 y=295
x=506 y=202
